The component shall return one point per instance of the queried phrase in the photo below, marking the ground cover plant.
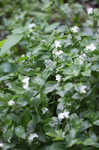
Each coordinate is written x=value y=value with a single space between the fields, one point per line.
x=49 y=75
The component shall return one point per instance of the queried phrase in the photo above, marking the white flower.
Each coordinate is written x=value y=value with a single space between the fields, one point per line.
x=1 y=144
x=23 y=55
x=66 y=114
x=75 y=29
x=11 y=102
x=91 y=47
x=57 y=52
x=32 y=136
x=83 y=55
x=57 y=44
x=26 y=83
x=32 y=25
x=60 y=116
x=89 y=10
x=63 y=115
x=58 y=77
x=44 y=110
x=83 y=89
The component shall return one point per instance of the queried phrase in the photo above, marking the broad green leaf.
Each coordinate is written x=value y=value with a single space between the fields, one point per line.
x=10 y=42
x=3 y=78
x=85 y=125
x=90 y=142
x=54 y=146
x=57 y=135
x=20 y=132
x=96 y=123
x=95 y=67
x=7 y=67
x=50 y=86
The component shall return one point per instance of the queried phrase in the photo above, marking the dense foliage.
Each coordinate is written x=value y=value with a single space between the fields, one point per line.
x=49 y=75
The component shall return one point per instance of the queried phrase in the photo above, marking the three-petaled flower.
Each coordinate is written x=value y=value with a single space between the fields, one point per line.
x=75 y=29
x=91 y=47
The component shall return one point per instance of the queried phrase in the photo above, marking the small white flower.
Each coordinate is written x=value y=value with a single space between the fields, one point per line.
x=1 y=145
x=57 y=52
x=63 y=115
x=60 y=116
x=11 y=102
x=83 y=55
x=26 y=83
x=75 y=29
x=83 y=89
x=32 y=25
x=89 y=10
x=32 y=136
x=66 y=114
x=91 y=47
x=23 y=55
x=57 y=44
x=58 y=77
x=44 y=110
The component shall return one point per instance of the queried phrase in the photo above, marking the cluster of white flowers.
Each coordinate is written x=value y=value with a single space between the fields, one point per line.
x=83 y=89
x=1 y=145
x=11 y=102
x=32 y=136
x=26 y=83
x=91 y=47
x=58 y=77
x=44 y=110
x=56 y=52
x=75 y=29
x=63 y=115
x=90 y=10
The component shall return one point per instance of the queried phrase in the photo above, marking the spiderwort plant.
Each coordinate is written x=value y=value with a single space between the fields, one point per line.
x=49 y=74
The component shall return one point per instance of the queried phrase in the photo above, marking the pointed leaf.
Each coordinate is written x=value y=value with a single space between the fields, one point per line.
x=10 y=42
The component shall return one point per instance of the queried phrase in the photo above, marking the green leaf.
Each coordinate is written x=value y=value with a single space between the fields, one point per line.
x=95 y=68
x=54 y=146
x=20 y=132
x=50 y=86
x=57 y=135
x=7 y=67
x=9 y=133
x=90 y=142
x=2 y=42
x=10 y=42
x=85 y=125
x=96 y=123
